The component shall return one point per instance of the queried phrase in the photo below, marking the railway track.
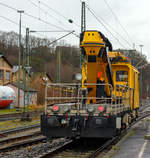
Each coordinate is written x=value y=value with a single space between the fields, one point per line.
x=68 y=148
x=25 y=136
x=14 y=116
x=75 y=149
x=80 y=148
x=144 y=107
x=21 y=141
x=33 y=149
x=5 y=133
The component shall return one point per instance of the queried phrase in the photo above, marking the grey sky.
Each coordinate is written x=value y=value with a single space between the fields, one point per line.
x=134 y=16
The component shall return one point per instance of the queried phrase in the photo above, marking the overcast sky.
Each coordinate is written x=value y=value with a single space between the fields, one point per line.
x=127 y=22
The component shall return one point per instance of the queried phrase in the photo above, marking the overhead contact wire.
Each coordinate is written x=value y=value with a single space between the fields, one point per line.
x=34 y=17
x=130 y=46
x=44 y=11
x=113 y=13
x=42 y=3
x=9 y=20
x=13 y=22
x=104 y=26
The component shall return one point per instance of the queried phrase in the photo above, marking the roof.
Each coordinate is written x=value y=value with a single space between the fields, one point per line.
x=41 y=74
x=29 y=89
x=126 y=65
x=16 y=67
x=2 y=56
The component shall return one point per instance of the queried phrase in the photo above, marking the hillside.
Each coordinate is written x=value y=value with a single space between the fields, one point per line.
x=43 y=57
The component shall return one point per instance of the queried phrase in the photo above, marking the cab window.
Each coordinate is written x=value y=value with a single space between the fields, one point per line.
x=122 y=76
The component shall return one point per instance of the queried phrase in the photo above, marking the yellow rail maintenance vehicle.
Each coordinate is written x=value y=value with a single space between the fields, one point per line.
x=106 y=101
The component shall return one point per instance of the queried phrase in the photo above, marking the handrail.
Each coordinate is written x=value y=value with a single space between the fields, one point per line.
x=72 y=92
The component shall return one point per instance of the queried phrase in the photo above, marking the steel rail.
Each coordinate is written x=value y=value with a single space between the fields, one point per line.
x=19 y=129
x=16 y=138
x=144 y=107
x=117 y=138
x=107 y=145
x=101 y=148
x=22 y=143
x=5 y=117
x=57 y=149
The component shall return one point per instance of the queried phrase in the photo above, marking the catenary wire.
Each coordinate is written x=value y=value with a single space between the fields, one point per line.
x=5 y=18
x=44 y=11
x=36 y=18
x=44 y=4
x=13 y=22
x=104 y=26
x=9 y=20
x=102 y=23
x=113 y=13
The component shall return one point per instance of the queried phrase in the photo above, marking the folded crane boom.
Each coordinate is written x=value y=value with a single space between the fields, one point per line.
x=96 y=64
x=106 y=101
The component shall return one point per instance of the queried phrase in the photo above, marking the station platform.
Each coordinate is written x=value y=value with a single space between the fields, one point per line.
x=136 y=144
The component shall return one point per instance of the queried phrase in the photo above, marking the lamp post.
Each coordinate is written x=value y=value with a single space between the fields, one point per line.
x=141 y=78
x=19 y=56
x=25 y=66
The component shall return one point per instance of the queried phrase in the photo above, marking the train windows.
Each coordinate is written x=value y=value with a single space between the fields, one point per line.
x=122 y=76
